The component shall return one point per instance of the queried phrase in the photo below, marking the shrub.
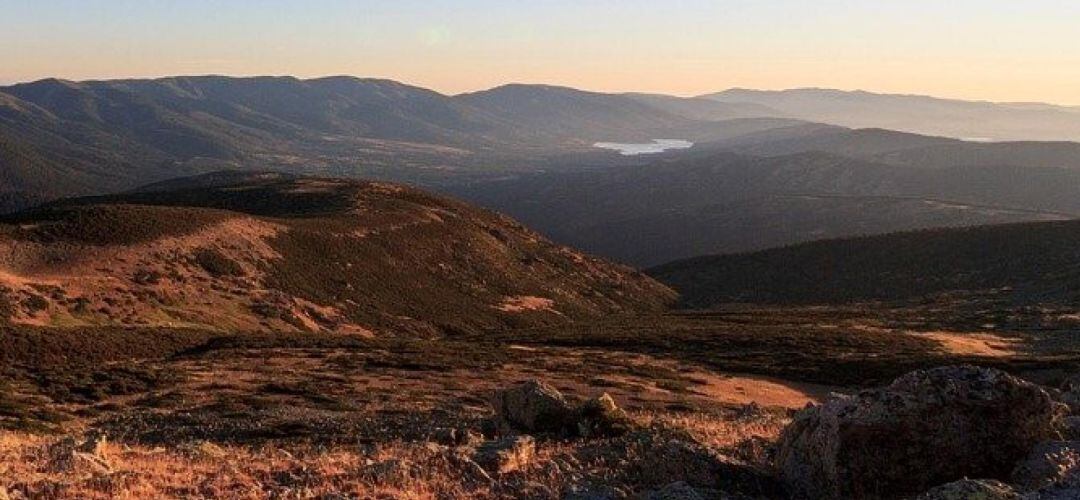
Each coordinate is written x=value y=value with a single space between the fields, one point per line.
x=7 y=308
x=35 y=303
x=147 y=276
x=216 y=263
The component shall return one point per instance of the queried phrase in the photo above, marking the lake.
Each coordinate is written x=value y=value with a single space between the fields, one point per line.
x=656 y=146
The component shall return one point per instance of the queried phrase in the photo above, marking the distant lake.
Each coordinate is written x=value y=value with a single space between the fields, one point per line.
x=656 y=146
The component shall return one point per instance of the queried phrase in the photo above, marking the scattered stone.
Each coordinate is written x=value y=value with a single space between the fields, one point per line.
x=593 y=492
x=472 y=474
x=448 y=436
x=601 y=417
x=392 y=472
x=535 y=407
x=93 y=443
x=505 y=455
x=68 y=455
x=674 y=491
x=926 y=428
x=204 y=450
x=1049 y=464
x=971 y=489
x=532 y=407
x=668 y=459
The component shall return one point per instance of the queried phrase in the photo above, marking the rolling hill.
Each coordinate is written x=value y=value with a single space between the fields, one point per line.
x=247 y=252
x=724 y=202
x=1033 y=263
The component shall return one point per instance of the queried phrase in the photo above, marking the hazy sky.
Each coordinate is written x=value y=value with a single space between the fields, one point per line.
x=1002 y=50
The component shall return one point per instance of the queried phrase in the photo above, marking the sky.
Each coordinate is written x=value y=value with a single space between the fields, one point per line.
x=973 y=49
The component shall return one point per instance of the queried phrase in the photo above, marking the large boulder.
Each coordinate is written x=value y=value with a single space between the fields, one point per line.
x=972 y=489
x=532 y=407
x=927 y=428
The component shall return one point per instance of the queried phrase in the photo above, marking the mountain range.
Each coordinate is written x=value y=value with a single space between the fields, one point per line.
x=766 y=169
x=975 y=120
x=61 y=138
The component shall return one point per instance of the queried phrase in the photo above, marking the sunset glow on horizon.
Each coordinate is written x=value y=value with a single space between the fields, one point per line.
x=987 y=50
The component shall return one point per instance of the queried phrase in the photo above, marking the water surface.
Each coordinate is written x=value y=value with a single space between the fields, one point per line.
x=656 y=146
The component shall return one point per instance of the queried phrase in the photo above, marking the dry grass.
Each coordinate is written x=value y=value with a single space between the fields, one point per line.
x=407 y=470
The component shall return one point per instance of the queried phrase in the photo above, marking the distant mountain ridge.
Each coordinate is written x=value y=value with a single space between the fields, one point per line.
x=61 y=138
x=961 y=119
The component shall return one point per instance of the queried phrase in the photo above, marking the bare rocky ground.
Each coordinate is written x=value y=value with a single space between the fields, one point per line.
x=697 y=406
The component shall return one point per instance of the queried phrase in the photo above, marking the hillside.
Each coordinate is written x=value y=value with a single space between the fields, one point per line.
x=917 y=114
x=899 y=148
x=64 y=138
x=1035 y=263
x=273 y=252
x=699 y=204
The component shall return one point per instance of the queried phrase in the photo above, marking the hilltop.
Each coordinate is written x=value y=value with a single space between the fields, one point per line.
x=246 y=252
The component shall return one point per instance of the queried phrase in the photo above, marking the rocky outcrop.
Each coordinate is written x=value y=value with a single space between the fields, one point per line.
x=536 y=407
x=927 y=428
x=972 y=489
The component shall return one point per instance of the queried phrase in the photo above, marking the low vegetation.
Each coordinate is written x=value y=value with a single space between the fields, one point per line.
x=1029 y=263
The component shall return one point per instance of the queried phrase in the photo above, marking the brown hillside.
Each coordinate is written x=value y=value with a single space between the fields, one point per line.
x=269 y=252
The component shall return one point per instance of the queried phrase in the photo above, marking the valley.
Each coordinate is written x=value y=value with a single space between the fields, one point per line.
x=262 y=334
x=355 y=288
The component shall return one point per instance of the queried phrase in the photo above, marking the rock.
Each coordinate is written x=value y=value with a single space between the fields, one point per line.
x=532 y=407
x=601 y=417
x=674 y=491
x=927 y=428
x=971 y=489
x=393 y=471
x=1070 y=394
x=4 y=494
x=93 y=443
x=1070 y=428
x=470 y=472
x=455 y=437
x=66 y=455
x=1054 y=463
x=592 y=491
x=445 y=436
x=203 y=450
x=505 y=455
x=668 y=459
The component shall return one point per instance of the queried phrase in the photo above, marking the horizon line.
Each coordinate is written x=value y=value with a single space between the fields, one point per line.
x=11 y=83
